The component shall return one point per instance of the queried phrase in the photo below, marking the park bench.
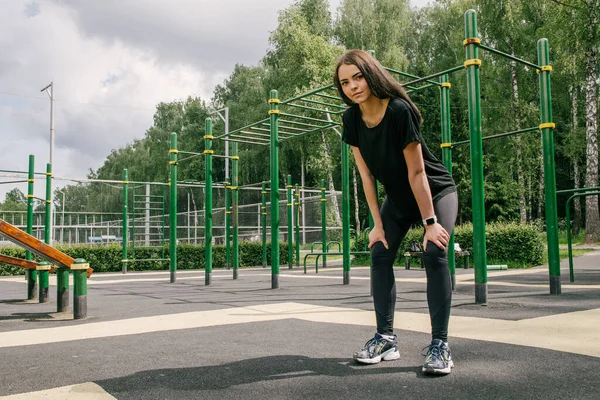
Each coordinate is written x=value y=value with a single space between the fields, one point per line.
x=80 y=268
x=415 y=251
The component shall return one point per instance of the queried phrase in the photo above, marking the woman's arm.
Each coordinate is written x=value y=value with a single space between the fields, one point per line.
x=420 y=187
x=377 y=233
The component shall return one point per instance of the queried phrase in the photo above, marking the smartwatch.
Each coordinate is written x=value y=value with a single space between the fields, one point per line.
x=430 y=221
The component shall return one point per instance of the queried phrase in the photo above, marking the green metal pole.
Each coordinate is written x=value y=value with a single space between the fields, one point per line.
x=125 y=218
x=478 y=203
x=228 y=223
x=274 y=116
x=235 y=220
x=208 y=223
x=346 y=212
x=297 y=219
x=324 y=221
x=569 y=236
x=79 y=268
x=547 y=127
x=263 y=222
x=447 y=159
x=290 y=230
x=44 y=273
x=62 y=274
x=31 y=274
x=173 y=208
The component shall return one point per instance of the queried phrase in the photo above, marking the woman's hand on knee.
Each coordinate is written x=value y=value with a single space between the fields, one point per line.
x=437 y=235
x=377 y=235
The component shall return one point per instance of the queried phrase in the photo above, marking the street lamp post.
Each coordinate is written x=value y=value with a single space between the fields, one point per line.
x=50 y=90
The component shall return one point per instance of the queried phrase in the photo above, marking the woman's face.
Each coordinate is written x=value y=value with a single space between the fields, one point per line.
x=354 y=84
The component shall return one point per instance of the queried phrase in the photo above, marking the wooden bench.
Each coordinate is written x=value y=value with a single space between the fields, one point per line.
x=409 y=255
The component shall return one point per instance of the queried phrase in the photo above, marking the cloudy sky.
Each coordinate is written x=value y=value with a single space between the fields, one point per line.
x=111 y=62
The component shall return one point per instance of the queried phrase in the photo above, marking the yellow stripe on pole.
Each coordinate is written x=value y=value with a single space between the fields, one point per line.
x=172 y=163
x=446 y=145
x=547 y=125
x=274 y=112
x=235 y=157
x=274 y=101
x=30 y=180
x=473 y=61
x=469 y=41
x=208 y=151
x=173 y=151
x=446 y=84
x=545 y=68
x=209 y=137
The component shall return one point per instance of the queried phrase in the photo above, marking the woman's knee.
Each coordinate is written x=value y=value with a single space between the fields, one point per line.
x=434 y=257
x=381 y=257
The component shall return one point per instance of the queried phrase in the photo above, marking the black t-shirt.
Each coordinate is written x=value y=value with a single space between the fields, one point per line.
x=382 y=149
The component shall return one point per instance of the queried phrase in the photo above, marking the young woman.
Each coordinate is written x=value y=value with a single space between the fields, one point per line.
x=382 y=128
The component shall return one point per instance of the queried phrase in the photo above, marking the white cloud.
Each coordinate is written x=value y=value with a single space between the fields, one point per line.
x=111 y=62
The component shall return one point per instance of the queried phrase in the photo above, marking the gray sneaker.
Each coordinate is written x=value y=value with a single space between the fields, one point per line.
x=377 y=349
x=438 y=359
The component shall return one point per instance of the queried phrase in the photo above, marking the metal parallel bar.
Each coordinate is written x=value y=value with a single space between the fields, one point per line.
x=254 y=133
x=242 y=128
x=1 y=183
x=267 y=130
x=407 y=75
x=499 y=135
x=423 y=87
x=315 y=130
x=328 y=96
x=325 y=104
x=577 y=190
x=248 y=142
x=306 y=118
x=298 y=123
x=258 y=136
x=308 y=93
x=311 y=108
x=448 y=71
x=22 y=172
x=190 y=152
x=492 y=50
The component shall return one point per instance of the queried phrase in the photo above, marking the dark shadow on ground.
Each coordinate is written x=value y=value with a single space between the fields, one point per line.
x=262 y=369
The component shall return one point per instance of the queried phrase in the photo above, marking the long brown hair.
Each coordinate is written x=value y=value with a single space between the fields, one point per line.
x=380 y=81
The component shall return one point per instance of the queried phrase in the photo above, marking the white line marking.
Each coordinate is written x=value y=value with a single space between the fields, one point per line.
x=571 y=332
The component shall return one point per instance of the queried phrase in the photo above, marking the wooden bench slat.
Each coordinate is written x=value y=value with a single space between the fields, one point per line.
x=34 y=245
x=19 y=262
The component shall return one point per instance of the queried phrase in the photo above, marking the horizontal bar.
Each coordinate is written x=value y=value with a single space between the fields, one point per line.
x=4 y=182
x=448 y=71
x=407 y=75
x=21 y=172
x=298 y=123
x=492 y=50
x=243 y=127
x=325 y=104
x=500 y=135
x=248 y=142
x=306 y=118
x=422 y=87
x=308 y=93
x=331 y=125
x=311 y=108
x=577 y=190
x=328 y=96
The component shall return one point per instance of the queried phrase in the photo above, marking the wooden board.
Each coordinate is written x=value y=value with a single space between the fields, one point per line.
x=34 y=245
x=18 y=262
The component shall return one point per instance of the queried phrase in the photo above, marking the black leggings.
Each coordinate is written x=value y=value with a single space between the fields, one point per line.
x=439 y=286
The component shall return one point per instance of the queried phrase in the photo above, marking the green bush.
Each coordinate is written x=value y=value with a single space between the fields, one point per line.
x=108 y=258
x=513 y=243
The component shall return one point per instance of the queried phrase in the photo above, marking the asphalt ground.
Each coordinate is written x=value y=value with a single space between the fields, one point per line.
x=146 y=338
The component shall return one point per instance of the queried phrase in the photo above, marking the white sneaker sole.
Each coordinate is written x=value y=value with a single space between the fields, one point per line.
x=388 y=356
x=443 y=371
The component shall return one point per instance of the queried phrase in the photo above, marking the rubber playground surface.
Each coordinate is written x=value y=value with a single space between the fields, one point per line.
x=146 y=338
